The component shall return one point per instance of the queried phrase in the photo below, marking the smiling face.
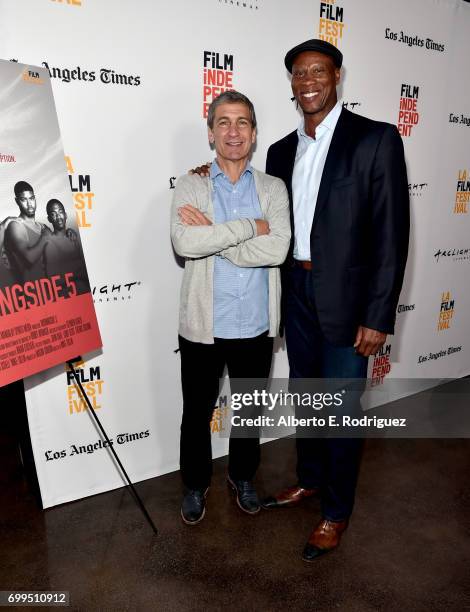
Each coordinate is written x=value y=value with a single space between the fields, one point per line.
x=232 y=133
x=314 y=80
x=26 y=201
x=57 y=216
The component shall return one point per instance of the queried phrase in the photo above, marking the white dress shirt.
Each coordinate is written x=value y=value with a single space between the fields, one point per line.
x=308 y=169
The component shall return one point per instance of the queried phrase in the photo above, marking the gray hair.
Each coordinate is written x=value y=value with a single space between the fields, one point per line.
x=230 y=97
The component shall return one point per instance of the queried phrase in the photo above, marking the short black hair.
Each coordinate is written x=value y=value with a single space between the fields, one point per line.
x=22 y=186
x=230 y=97
x=51 y=203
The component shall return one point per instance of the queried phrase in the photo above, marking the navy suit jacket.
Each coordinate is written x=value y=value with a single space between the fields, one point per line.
x=360 y=229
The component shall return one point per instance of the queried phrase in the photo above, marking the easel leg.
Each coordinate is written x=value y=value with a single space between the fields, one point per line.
x=111 y=448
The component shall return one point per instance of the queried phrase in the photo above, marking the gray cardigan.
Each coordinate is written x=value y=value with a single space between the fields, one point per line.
x=235 y=240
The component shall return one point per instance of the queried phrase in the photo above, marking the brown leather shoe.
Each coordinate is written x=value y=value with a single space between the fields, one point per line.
x=288 y=497
x=325 y=537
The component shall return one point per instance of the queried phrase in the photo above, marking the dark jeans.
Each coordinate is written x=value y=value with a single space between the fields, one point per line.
x=202 y=366
x=331 y=464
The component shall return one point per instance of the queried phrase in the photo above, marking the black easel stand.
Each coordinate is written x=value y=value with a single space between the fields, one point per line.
x=111 y=447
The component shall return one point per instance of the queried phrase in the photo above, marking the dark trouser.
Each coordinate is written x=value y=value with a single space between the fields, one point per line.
x=202 y=366
x=331 y=464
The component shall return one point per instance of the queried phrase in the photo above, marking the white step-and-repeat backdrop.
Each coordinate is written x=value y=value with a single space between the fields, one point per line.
x=132 y=81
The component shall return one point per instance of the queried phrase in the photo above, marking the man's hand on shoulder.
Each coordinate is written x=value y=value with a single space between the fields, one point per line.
x=368 y=341
x=71 y=234
x=6 y=221
x=203 y=170
x=190 y=215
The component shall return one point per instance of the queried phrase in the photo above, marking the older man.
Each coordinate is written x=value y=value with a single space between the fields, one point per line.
x=347 y=184
x=233 y=229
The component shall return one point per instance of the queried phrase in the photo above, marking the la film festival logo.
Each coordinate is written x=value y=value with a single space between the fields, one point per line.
x=381 y=366
x=408 y=116
x=462 y=195
x=220 y=416
x=217 y=77
x=92 y=383
x=446 y=312
x=31 y=76
x=83 y=197
x=70 y=2
x=331 y=24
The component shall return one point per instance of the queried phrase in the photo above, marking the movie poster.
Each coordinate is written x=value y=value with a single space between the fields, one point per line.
x=46 y=307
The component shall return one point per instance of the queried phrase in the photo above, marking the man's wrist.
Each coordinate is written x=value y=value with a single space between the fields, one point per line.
x=254 y=227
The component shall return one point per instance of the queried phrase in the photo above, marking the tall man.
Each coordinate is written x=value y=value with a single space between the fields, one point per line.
x=347 y=184
x=233 y=229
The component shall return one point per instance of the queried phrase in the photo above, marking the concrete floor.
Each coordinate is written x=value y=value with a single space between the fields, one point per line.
x=407 y=547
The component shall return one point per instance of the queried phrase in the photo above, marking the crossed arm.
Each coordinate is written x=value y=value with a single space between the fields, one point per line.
x=244 y=242
x=190 y=215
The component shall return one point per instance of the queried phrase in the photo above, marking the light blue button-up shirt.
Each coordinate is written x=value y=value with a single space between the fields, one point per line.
x=241 y=295
x=308 y=169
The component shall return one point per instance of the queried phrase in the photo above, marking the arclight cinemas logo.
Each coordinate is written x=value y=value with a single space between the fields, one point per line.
x=217 y=77
x=416 y=190
x=453 y=254
x=331 y=24
x=351 y=105
x=114 y=292
x=408 y=116
x=246 y=4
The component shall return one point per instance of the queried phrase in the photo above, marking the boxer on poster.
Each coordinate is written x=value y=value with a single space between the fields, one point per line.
x=24 y=238
x=63 y=253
